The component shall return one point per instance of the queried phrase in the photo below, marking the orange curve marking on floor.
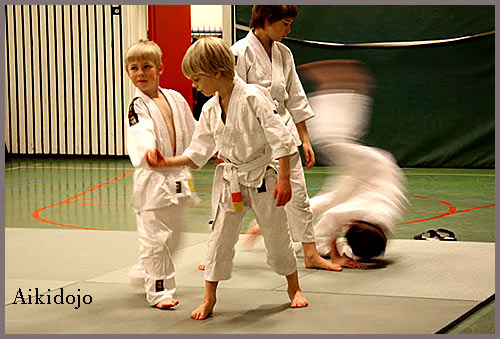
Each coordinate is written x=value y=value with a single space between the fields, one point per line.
x=37 y=216
x=475 y=208
x=451 y=210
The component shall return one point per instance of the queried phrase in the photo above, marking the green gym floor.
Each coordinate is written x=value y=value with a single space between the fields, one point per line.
x=92 y=197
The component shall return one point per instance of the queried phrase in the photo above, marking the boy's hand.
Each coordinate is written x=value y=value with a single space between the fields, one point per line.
x=282 y=192
x=309 y=154
x=154 y=158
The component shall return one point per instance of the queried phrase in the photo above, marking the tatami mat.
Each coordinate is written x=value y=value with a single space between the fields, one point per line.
x=419 y=287
x=121 y=308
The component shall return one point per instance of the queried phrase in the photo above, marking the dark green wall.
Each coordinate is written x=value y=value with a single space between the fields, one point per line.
x=434 y=104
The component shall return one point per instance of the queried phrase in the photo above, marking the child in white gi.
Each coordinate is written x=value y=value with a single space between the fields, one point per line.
x=365 y=202
x=261 y=59
x=368 y=197
x=158 y=120
x=239 y=122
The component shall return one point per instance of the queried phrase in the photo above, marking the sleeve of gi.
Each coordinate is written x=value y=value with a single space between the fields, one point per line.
x=202 y=145
x=277 y=135
x=140 y=132
x=297 y=103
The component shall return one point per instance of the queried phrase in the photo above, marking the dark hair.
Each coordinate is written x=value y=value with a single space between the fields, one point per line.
x=272 y=13
x=365 y=239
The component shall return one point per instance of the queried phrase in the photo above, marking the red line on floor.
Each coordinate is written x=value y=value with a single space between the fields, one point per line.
x=475 y=208
x=451 y=210
x=97 y=187
x=37 y=216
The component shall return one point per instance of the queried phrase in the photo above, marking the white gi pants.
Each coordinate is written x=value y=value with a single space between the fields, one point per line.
x=227 y=225
x=298 y=209
x=159 y=232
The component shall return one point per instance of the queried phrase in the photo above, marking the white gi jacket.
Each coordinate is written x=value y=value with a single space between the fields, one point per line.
x=146 y=129
x=277 y=75
x=251 y=138
x=371 y=189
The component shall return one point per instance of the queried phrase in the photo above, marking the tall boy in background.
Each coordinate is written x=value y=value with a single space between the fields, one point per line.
x=262 y=59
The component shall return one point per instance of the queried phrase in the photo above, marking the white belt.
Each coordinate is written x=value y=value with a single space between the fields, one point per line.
x=232 y=174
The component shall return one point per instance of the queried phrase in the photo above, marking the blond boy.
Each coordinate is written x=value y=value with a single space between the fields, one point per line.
x=159 y=120
x=240 y=123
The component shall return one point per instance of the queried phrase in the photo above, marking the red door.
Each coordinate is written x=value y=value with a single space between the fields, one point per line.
x=170 y=28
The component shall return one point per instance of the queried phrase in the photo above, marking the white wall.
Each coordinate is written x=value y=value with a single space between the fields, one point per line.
x=213 y=17
x=209 y=16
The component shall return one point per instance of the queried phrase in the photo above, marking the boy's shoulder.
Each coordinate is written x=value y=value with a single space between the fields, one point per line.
x=240 y=47
x=210 y=106
x=211 y=103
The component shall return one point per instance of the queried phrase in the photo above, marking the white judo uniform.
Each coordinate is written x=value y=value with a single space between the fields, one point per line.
x=249 y=141
x=160 y=196
x=279 y=76
x=371 y=187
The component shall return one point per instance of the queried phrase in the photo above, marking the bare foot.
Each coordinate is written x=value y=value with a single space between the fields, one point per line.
x=201 y=266
x=312 y=259
x=321 y=263
x=167 y=303
x=297 y=298
x=204 y=310
x=251 y=236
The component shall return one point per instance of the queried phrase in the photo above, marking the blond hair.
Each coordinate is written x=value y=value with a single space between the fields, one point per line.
x=143 y=49
x=208 y=56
